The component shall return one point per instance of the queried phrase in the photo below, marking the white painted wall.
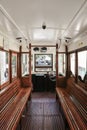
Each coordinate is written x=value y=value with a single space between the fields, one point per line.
x=9 y=44
x=13 y=45
x=78 y=43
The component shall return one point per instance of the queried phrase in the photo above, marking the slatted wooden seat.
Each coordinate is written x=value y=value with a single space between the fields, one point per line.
x=12 y=103
x=73 y=100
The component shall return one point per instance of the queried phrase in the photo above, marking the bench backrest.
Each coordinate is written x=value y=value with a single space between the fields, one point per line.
x=9 y=92
x=79 y=97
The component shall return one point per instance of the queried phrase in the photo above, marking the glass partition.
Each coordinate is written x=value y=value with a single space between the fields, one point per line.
x=14 y=65
x=61 y=64
x=25 y=64
x=72 y=63
x=82 y=66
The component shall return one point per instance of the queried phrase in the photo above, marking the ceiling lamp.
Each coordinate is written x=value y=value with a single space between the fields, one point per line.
x=19 y=39
x=36 y=49
x=43 y=49
x=67 y=39
x=43 y=26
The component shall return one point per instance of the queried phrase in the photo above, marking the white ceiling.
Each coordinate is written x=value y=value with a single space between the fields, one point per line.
x=24 y=18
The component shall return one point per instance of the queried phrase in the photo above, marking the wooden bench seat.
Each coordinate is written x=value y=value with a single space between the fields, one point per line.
x=12 y=103
x=73 y=100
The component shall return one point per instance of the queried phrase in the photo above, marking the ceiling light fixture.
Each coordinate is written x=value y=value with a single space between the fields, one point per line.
x=43 y=49
x=19 y=39
x=43 y=26
x=36 y=49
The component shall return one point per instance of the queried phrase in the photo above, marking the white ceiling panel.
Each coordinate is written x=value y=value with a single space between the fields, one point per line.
x=63 y=18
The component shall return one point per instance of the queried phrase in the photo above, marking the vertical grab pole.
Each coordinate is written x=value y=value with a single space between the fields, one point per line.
x=76 y=67
x=30 y=79
x=10 y=68
x=67 y=62
x=56 y=65
x=19 y=65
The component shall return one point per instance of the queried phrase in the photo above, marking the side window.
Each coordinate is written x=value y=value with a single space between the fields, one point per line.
x=82 y=66
x=61 y=64
x=4 y=67
x=72 y=63
x=14 y=65
x=25 y=64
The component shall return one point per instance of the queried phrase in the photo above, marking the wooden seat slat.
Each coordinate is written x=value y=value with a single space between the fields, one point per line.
x=12 y=104
x=74 y=103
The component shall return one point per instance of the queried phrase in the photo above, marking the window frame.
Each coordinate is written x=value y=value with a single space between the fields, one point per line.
x=7 y=82
x=76 y=65
x=21 y=62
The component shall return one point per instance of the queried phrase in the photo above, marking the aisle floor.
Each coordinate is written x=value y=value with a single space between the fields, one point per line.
x=43 y=113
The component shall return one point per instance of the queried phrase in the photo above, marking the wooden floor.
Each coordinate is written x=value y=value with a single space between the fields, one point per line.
x=43 y=113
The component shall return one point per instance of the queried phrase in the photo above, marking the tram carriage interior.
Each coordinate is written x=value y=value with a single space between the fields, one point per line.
x=43 y=65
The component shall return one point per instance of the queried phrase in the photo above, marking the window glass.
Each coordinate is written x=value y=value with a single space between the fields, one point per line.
x=4 y=67
x=43 y=62
x=61 y=64
x=72 y=63
x=25 y=64
x=14 y=65
x=82 y=65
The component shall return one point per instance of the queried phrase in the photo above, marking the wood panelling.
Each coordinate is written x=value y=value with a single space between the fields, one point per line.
x=25 y=81
x=56 y=64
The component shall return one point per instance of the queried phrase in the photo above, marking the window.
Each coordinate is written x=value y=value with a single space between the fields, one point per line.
x=61 y=64
x=43 y=62
x=72 y=63
x=14 y=65
x=82 y=65
x=25 y=64
x=4 y=67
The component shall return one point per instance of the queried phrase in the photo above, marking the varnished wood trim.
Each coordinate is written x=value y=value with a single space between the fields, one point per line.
x=56 y=64
x=76 y=67
x=61 y=52
x=19 y=63
x=1 y=48
x=43 y=67
x=30 y=63
x=4 y=85
x=13 y=51
x=66 y=48
x=43 y=45
x=24 y=52
x=78 y=50
x=10 y=68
